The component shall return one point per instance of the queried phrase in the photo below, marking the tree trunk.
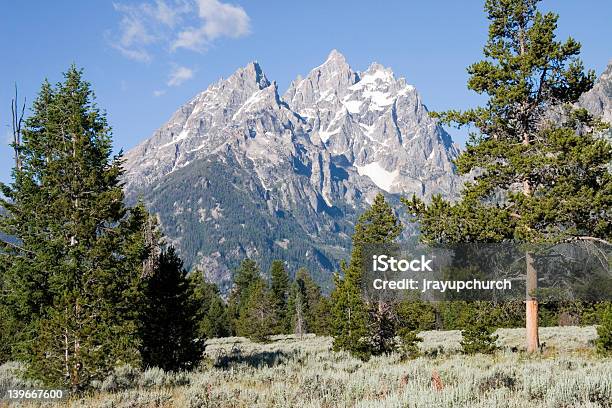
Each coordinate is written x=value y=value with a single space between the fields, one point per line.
x=531 y=306
x=299 y=319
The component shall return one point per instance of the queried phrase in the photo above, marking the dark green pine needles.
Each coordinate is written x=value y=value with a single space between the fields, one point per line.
x=71 y=279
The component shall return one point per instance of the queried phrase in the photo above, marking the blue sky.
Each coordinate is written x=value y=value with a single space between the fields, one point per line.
x=146 y=58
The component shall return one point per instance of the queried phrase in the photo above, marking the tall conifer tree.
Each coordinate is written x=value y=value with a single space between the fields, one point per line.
x=353 y=317
x=169 y=320
x=539 y=177
x=211 y=311
x=279 y=289
x=244 y=278
x=73 y=270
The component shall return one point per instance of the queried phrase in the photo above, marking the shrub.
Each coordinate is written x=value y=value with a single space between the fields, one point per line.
x=409 y=343
x=604 y=332
x=122 y=378
x=478 y=337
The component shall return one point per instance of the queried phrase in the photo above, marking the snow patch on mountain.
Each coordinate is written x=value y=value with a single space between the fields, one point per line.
x=376 y=172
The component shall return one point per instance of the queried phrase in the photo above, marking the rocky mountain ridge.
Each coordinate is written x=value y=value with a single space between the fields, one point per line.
x=241 y=170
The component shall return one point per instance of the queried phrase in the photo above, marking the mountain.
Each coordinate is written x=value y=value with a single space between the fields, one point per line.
x=240 y=170
x=598 y=101
x=378 y=124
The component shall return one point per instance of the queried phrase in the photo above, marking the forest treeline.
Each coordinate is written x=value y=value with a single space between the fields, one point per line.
x=88 y=283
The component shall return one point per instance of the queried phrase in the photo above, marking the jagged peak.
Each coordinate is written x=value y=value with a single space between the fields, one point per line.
x=334 y=60
x=378 y=70
x=251 y=74
x=335 y=55
x=608 y=71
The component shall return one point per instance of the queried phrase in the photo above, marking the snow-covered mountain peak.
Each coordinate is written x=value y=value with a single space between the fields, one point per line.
x=238 y=168
x=377 y=71
x=377 y=123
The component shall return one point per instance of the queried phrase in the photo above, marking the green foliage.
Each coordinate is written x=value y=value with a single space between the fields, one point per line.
x=71 y=275
x=478 y=334
x=210 y=310
x=280 y=292
x=245 y=276
x=257 y=318
x=382 y=329
x=356 y=326
x=296 y=308
x=251 y=305
x=604 y=332
x=169 y=326
x=9 y=331
x=416 y=315
x=308 y=309
x=231 y=184
x=524 y=161
x=409 y=343
x=321 y=320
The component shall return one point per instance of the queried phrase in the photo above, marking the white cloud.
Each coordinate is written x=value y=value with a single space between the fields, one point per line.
x=134 y=36
x=179 y=75
x=217 y=20
x=173 y=24
x=159 y=92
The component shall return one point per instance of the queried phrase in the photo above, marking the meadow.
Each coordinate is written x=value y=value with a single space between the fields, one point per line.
x=293 y=372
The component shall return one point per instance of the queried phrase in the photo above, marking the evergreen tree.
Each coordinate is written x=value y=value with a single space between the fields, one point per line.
x=539 y=179
x=321 y=321
x=604 y=332
x=314 y=314
x=257 y=318
x=9 y=328
x=279 y=293
x=296 y=309
x=312 y=297
x=477 y=336
x=244 y=278
x=416 y=315
x=211 y=311
x=169 y=327
x=383 y=328
x=409 y=343
x=70 y=273
x=352 y=315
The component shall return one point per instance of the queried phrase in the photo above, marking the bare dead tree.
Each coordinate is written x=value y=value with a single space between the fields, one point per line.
x=152 y=243
x=299 y=315
x=17 y=122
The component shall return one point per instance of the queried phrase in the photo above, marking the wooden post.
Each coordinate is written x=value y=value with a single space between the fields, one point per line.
x=531 y=306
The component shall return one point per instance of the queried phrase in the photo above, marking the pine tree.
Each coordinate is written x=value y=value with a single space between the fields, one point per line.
x=9 y=328
x=321 y=321
x=353 y=317
x=169 y=327
x=70 y=271
x=245 y=277
x=477 y=336
x=604 y=332
x=409 y=343
x=297 y=309
x=257 y=318
x=383 y=328
x=211 y=311
x=312 y=297
x=280 y=292
x=314 y=314
x=539 y=179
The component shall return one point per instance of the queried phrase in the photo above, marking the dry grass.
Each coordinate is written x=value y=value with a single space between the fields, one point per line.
x=289 y=372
